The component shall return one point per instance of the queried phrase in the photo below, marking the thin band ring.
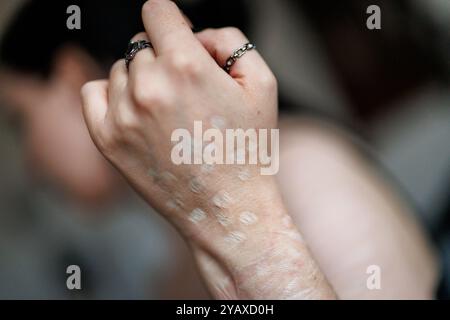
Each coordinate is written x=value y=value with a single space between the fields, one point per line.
x=238 y=53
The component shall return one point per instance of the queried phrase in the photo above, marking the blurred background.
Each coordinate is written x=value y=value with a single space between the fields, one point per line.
x=62 y=204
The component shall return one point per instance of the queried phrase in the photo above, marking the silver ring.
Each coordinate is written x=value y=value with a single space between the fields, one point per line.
x=237 y=54
x=133 y=48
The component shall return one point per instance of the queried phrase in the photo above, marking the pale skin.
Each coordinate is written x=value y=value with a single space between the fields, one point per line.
x=350 y=217
x=131 y=123
x=131 y=117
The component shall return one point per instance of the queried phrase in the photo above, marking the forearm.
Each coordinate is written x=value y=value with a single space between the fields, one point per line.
x=250 y=249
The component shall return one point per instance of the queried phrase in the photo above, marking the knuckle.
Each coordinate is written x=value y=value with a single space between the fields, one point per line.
x=184 y=64
x=143 y=97
x=268 y=81
x=209 y=31
x=231 y=33
x=148 y=98
x=106 y=141
x=87 y=89
x=125 y=118
x=126 y=122
x=116 y=67
x=140 y=84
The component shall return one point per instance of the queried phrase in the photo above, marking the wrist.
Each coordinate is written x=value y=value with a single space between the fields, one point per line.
x=273 y=263
x=241 y=248
x=231 y=210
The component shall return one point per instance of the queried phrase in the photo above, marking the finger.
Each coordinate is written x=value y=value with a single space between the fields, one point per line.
x=118 y=79
x=139 y=68
x=167 y=28
x=188 y=21
x=221 y=43
x=144 y=58
x=94 y=97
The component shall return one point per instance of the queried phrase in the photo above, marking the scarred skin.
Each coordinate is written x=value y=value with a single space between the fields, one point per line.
x=348 y=215
x=131 y=117
x=249 y=247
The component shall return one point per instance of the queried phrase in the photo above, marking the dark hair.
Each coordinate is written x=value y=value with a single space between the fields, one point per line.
x=39 y=29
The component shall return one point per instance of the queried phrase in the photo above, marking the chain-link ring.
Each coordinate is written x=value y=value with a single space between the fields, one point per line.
x=236 y=55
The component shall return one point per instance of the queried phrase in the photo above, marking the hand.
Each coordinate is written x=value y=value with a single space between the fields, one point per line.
x=131 y=119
